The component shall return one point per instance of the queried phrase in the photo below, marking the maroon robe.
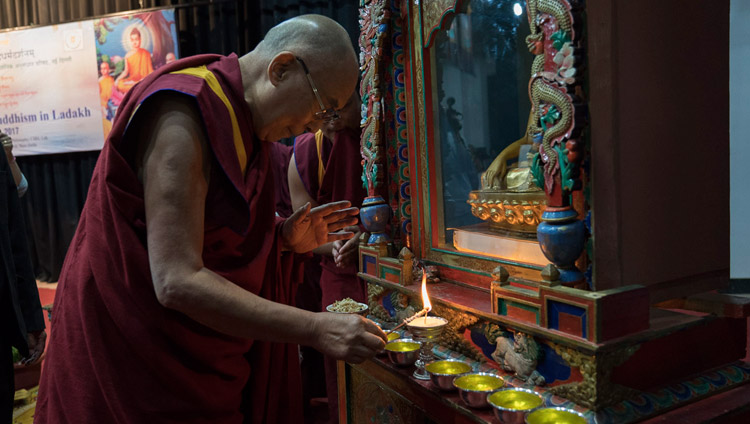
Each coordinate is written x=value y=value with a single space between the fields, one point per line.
x=341 y=181
x=280 y=156
x=116 y=355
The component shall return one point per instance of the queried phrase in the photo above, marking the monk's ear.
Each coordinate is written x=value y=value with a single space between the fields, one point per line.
x=280 y=66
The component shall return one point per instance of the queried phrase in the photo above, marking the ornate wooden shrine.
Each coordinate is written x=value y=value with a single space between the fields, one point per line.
x=559 y=170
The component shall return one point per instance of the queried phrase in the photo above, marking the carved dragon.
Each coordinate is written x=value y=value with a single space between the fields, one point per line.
x=551 y=103
x=374 y=20
x=542 y=92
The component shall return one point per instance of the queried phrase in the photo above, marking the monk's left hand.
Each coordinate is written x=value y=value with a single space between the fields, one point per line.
x=345 y=252
x=309 y=228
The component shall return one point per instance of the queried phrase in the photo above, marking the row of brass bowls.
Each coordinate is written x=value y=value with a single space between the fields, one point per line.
x=393 y=335
x=511 y=405
x=482 y=389
x=474 y=388
x=403 y=352
x=442 y=373
x=524 y=406
x=555 y=416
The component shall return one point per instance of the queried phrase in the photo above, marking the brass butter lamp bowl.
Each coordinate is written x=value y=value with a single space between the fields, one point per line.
x=424 y=330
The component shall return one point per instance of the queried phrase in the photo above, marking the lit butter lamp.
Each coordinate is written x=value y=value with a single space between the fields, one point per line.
x=425 y=329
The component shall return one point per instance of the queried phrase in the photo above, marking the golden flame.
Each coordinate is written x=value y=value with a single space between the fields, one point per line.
x=425 y=299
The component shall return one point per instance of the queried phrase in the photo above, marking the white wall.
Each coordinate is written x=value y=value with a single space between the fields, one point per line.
x=739 y=133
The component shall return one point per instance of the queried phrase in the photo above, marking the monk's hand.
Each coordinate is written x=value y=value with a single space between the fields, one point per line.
x=348 y=337
x=309 y=228
x=7 y=145
x=345 y=251
x=36 y=342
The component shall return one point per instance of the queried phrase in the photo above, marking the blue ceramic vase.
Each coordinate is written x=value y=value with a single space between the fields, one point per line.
x=562 y=238
x=375 y=214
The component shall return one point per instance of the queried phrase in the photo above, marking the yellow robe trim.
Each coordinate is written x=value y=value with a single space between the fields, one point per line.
x=321 y=166
x=213 y=84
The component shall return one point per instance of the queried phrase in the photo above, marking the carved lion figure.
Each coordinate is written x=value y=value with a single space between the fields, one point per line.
x=519 y=356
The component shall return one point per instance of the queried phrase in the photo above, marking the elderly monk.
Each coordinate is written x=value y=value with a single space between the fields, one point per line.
x=137 y=64
x=176 y=269
x=326 y=167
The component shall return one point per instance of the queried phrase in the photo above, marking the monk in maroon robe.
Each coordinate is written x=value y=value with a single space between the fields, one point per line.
x=326 y=167
x=176 y=270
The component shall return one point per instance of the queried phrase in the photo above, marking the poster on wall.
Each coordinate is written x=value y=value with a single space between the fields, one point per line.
x=60 y=85
x=129 y=47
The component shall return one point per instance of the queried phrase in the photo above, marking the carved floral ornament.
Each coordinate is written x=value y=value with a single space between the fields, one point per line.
x=436 y=14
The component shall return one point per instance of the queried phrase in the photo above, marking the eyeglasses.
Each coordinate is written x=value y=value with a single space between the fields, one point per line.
x=326 y=115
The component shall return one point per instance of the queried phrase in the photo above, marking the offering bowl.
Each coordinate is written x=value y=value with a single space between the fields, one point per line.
x=362 y=311
x=555 y=416
x=393 y=336
x=425 y=329
x=474 y=388
x=442 y=373
x=403 y=352
x=512 y=405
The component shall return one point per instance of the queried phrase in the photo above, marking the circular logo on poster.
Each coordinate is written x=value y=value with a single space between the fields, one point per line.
x=73 y=39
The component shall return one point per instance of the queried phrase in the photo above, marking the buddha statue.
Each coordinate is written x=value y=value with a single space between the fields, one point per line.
x=509 y=200
x=516 y=178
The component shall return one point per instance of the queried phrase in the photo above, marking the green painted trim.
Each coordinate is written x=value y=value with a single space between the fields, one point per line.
x=501 y=307
x=393 y=262
x=388 y=270
x=536 y=170
x=517 y=290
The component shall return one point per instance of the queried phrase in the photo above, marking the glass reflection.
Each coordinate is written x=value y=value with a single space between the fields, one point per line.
x=481 y=70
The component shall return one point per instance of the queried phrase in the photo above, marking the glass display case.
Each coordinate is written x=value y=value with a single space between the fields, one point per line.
x=517 y=161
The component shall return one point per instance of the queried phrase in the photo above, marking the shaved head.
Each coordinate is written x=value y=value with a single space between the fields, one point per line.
x=308 y=34
x=278 y=89
x=321 y=42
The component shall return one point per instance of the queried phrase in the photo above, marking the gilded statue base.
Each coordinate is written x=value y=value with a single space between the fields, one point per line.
x=515 y=212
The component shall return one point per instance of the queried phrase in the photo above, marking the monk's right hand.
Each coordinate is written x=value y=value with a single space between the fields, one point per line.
x=348 y=337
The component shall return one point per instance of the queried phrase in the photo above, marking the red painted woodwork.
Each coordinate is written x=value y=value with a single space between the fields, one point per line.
x=570 y=324
x=654 y=109
x=684 y=353
x=730 y=407
x=623 y=314
x=513 y=311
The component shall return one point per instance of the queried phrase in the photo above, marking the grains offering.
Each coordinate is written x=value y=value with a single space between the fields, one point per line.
x=346 y=306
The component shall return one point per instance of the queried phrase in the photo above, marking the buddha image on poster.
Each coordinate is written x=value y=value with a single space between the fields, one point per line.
x=128 y=48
